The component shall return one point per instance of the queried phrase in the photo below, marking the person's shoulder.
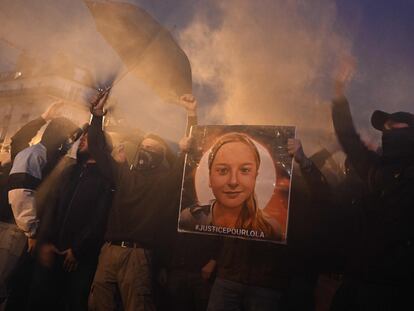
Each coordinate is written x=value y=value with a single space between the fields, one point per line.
x=30 y=160
x=199 y=208
x=36 y=150
x=196 y=214
x=26 y=152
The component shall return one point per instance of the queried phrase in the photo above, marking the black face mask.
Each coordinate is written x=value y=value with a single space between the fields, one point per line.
x=82 y=157
x=147 y=160
x=398 y=143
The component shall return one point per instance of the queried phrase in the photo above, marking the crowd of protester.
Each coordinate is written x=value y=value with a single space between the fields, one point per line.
x=83 y=228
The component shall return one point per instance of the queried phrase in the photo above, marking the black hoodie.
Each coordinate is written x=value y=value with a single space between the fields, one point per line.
x=140 y=195
x=381 y=249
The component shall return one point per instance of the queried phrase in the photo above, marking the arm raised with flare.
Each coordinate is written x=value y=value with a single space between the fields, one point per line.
x=361 y=158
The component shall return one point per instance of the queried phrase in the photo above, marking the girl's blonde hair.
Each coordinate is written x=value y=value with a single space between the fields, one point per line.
x=251 y=217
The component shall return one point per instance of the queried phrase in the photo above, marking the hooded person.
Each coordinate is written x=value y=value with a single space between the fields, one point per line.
x=141 y=191
x=71 y=232
x=19 y=141
x=30 y=168
x=397 y=134
x=379 y=270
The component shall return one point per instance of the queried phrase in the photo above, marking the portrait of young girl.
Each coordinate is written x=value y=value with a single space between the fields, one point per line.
x=233 y=163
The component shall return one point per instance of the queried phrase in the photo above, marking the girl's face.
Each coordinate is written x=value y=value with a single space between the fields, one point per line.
x=233 y=174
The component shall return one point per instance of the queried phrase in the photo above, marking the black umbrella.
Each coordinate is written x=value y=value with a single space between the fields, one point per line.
x=147 y=49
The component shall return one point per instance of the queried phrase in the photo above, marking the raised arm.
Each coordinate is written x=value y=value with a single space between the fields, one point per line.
x=316 y=182
x=359 y=155
x=97 y=144
x=172 y=183
x=99 y=151
x=361 y=158
x=23 y=136
x=189 y=103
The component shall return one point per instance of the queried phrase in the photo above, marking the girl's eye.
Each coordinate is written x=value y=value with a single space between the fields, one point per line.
x=222 y=171
x=245 y=170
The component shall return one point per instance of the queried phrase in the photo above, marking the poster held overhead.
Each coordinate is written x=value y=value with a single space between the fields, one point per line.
x=236 y=182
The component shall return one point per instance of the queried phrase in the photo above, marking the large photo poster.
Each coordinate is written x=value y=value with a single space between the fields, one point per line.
x=236 y=182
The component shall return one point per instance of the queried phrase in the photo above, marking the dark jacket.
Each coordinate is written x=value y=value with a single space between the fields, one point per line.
x=139 y=197
x=76 y=217
x=381 y=245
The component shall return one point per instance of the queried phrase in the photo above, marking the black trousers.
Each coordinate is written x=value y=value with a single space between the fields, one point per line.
x=55 y=289
x=19 y=284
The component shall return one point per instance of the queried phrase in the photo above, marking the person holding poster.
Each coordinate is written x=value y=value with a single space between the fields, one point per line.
x=232 y=181
x=255 y=275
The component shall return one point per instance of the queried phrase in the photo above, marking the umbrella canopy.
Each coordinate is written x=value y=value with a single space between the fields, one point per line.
x=146 y=48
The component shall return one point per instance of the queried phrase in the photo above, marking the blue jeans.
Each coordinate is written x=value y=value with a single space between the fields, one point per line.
x=232 y=296
x=12 y=246
x=187 y=290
